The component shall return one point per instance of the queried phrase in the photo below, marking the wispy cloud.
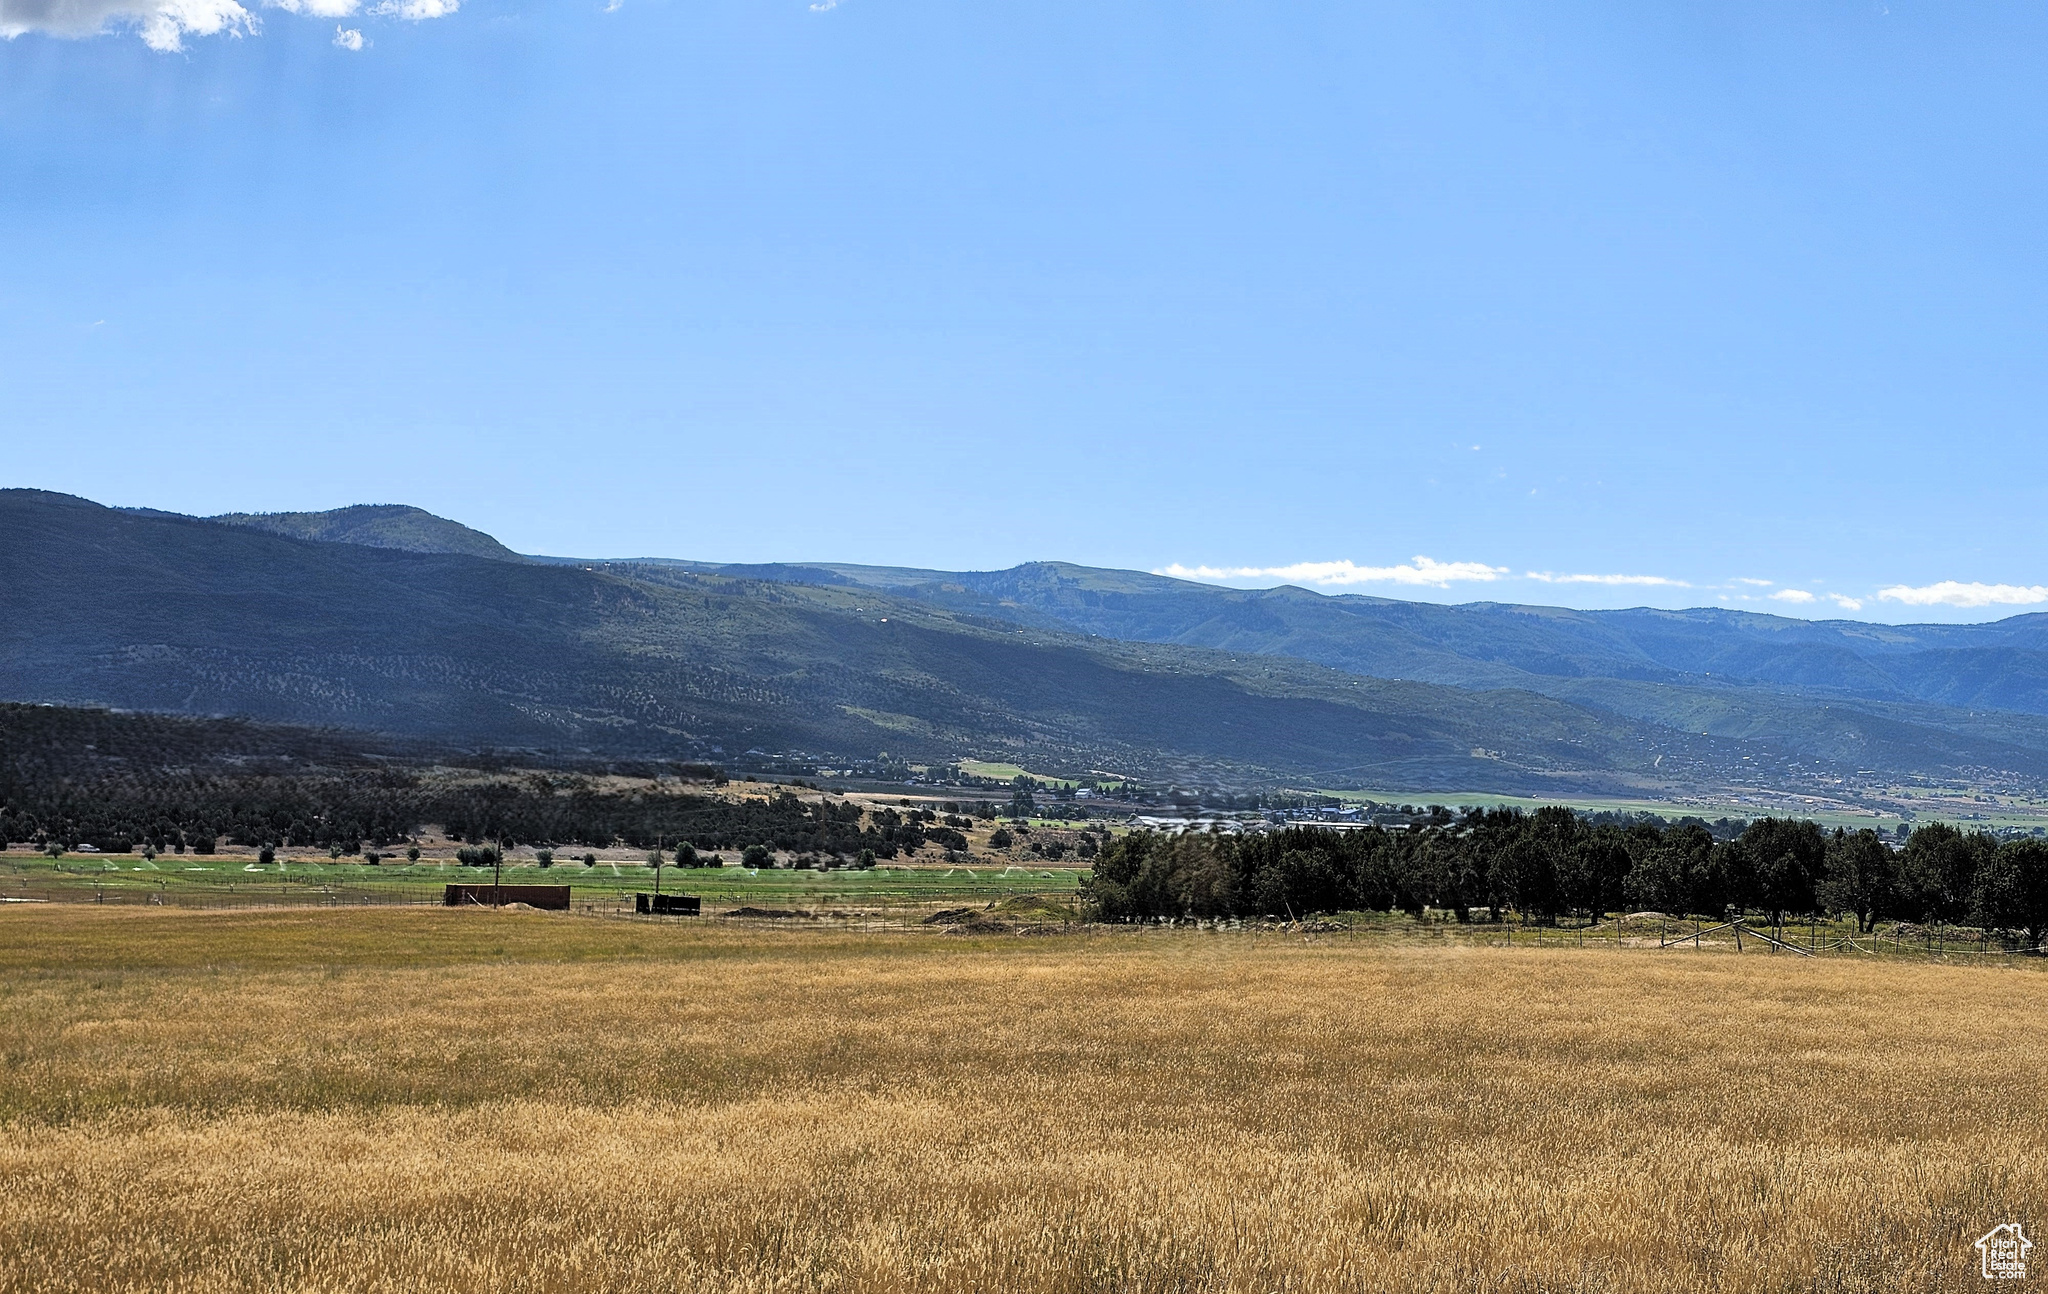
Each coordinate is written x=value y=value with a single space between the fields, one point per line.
x=348 y=38
x=1755 y=584
x=1549 y=577
x=165 y=24
x=1801 y=597
x=1954 y=593
x=1420 y=571
x=317 y=8
x=416 y=10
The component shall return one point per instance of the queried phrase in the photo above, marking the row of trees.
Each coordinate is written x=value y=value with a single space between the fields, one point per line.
x=1553 y=864
x=121 y=810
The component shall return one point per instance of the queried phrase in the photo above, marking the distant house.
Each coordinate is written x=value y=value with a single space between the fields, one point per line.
x=2002 y=1252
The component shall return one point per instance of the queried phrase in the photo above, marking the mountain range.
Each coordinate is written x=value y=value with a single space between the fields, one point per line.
x=391 y=619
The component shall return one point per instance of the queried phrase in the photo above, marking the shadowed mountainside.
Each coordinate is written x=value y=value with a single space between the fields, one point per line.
x=99 y=606
x=1051 y=665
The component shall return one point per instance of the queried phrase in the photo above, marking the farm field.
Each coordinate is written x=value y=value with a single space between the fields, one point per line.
x=419 y=1099
x=238 y=881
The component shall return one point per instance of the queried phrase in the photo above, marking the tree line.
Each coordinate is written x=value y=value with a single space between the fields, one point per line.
x=1553 y=864
x=166 y=811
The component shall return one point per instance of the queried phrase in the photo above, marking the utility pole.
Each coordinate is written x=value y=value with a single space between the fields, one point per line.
x=498 y=876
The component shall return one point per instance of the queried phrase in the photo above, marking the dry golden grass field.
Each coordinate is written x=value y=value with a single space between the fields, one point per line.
x=421 y=1100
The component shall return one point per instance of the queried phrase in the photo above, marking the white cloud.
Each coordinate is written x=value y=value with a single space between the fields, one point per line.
x=162 y=24
x=1423 y=570
x=1845 y=602
x=348 y=38
x=1549 y=578
x=825 y=6
x=1756 y=584
x=1800 y=596
x=1953 y=593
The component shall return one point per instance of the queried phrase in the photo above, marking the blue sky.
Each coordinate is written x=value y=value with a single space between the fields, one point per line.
x=1438 y=301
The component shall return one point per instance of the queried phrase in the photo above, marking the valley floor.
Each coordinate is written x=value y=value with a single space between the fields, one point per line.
x=417 y=1099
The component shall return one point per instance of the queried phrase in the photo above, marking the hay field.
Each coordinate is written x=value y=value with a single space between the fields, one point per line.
x=409 y=1100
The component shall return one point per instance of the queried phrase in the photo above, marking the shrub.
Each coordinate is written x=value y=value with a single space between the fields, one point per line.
x=756 y=856
x=590 y=860
x=866 y=861
x=1002 y=839
x=266 y=855
x=413 y=854
x=478 y=856
x=686 y=855
x=545 y=857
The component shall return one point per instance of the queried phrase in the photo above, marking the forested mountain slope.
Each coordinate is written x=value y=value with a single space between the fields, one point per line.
x=377 y=525
x=99 y=606
x=2001 y=666
x=1055 y=666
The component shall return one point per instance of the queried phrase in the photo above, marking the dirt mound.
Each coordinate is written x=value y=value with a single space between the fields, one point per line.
x=775 y=913
x=1037 y=907
x=953 y=917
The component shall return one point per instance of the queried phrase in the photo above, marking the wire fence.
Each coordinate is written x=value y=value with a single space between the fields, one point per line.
x=942 y=914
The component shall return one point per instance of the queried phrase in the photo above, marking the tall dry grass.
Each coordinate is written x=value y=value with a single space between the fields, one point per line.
x=280 y=1102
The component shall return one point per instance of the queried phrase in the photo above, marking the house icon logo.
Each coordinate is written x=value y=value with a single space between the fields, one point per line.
x=2004 y=1252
